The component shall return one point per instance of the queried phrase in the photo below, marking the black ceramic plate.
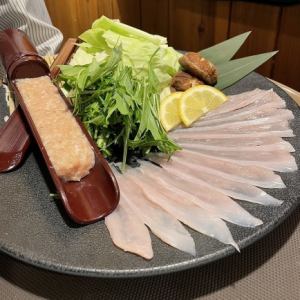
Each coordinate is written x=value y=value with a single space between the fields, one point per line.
x=34 y=228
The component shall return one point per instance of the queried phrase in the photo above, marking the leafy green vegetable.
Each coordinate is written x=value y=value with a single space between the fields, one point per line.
x=138 y=47
x=234 y=70
x=119 y=109
x=122 y=29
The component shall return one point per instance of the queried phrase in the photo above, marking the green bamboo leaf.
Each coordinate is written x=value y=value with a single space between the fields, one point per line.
x=234 y=70
x=222 y=52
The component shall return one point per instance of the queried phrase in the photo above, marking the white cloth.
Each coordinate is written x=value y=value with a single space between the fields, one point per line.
x=32 y=17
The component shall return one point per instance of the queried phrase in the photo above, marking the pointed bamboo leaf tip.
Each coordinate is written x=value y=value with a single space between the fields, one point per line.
x=232 y=71
x=224 y=51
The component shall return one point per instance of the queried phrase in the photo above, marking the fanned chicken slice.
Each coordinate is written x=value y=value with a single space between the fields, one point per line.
x=128 y=232
x=243 y=127
x=161 y=223
x=282 y=146
x=256 y=110
x=202 y=195
x=193 y=133
x=281 y=161
x=265 y=111
x=281 y=129
x=239 y=101
x=248 y=144
x=281 y=116
x=254 y=175
x=237 y=190
x=184 y=210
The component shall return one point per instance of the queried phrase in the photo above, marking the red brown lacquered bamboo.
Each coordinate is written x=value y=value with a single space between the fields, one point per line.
x=14 y=142
x=97 y=194
x=16 y=53
x=14 y=136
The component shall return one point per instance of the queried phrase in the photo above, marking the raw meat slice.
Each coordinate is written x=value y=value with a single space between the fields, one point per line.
x=284 y=146
x=185 y=211
x=278 y=117
x=249 y=114
x=263 y=105
x=236 y=142
x=281 y=128
x=128 y=232
x=236 y=102
x=161 y=223
x=193 y=133
x=281 y=161
x=237 y=190
x=254 y=175
x=215 y=202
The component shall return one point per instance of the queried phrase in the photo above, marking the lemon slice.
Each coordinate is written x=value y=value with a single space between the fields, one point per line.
x=169 y=114
x=197 y=101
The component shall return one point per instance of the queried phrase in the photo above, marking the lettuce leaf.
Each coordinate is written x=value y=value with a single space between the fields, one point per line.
x=138 y=48
x=105 y=24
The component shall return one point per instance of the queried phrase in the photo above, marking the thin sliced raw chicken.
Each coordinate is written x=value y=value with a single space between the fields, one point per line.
x=128 y=232
x=215 y=202
x=236 y=102
x=237 y=190
x=254 y=175
x=281 y=161
x=161 y=223
x=193 y=133
x=242 y=127
x=184 y=210
x=284 y=146
x=238 y=142
x=252 y=111
x=254 y=114
x=278 y=117
x=241 y=100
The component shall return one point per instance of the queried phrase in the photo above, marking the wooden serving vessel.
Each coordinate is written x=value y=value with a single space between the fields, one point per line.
x=14 y=135
x=94 y=196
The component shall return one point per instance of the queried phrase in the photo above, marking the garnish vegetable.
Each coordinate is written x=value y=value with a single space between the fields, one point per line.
x=138 y=48
x=119 y=109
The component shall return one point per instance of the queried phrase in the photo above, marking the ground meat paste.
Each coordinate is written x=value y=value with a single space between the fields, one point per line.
x=66 y=145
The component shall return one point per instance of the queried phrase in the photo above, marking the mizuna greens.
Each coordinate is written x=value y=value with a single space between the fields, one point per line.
x=119 y=109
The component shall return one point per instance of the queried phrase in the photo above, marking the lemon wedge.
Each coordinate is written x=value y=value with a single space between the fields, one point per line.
x=169 y=114
x=197 y=101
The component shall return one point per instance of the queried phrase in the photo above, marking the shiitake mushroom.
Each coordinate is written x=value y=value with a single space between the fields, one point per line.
x=196 y=65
